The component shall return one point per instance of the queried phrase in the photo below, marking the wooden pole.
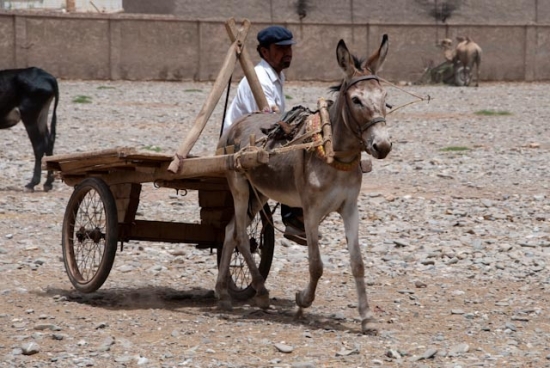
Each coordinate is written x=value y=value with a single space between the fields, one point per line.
x=220 y=84
x=327 y=130
x=248 y=67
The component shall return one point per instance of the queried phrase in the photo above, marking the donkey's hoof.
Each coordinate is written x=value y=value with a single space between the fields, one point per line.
x=262 y=298
x=225 y=305
x=28 y=188
x=300 y=301
x=262 y=301
x=369 y=327
x=47 y=187
x=299 y=314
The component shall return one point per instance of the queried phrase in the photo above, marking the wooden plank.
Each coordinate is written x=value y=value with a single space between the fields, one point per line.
x=86 y=163
x=149 y=157
x=84 y=155
x=120 y=171
x=176 y=232
x=92 y=165
x=215 y=199
x=195 y=184
x=125 y=155
x=216 y=216
x=127 y=200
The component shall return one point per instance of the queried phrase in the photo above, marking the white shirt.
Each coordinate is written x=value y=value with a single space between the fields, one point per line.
x=244 y=102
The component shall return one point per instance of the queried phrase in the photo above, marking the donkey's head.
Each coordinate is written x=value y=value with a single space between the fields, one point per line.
x=364 y=99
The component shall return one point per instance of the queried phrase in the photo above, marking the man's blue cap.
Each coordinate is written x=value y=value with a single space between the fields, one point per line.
x=275 y=34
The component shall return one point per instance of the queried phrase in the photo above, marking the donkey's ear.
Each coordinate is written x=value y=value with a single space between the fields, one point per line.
x=344 y=58
x=374 y=63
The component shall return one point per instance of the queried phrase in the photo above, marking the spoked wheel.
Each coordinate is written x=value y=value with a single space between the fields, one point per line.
x=463 y=76
x=90 y=235
x=261 y=237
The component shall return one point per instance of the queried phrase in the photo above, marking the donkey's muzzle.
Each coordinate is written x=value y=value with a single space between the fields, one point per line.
x=380 y=149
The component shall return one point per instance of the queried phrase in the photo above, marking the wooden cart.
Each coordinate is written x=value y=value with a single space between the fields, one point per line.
x=101 y=212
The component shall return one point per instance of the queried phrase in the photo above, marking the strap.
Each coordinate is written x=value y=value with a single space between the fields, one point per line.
x=362 y=78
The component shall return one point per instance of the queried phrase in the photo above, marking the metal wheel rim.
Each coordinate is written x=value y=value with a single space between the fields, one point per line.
x=89 y=236
x=238 y=269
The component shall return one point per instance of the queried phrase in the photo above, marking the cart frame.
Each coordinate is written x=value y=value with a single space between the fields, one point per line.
x=108 y=184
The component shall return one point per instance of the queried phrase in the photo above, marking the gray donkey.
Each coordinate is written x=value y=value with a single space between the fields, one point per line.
x=304 y=178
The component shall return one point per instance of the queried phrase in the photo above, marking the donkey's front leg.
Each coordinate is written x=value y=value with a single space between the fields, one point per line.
x=305 y=298
x=351 y=225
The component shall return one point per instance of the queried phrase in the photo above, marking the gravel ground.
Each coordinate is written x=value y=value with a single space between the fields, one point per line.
x=456 y=243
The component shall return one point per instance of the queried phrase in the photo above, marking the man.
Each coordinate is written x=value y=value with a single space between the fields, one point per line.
x=275 y=49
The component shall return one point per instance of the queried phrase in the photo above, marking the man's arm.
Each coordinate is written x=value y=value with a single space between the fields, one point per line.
x=271 y=96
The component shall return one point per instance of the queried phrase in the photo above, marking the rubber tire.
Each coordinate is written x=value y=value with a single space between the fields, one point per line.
x=100 y=270
x=267 y=243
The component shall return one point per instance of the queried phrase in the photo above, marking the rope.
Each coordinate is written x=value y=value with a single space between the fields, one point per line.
x=419 y=98
x=225 y=104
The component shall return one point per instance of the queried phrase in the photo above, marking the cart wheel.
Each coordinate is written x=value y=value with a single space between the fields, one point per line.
x=262 y=243
x=90 y=235
x=463 y=76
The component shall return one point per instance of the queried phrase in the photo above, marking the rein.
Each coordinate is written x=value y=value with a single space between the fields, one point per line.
x=418 y=98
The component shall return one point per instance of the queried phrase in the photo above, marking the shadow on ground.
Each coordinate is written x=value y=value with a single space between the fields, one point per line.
x=281 y=311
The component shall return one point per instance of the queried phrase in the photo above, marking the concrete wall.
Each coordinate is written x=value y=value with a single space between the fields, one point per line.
x=161 y=47
x=104 y=6
x=351 y=11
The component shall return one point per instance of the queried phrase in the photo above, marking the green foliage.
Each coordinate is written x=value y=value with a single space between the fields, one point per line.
x=152 y=148
x=288 y=97
x=106 y=87
x=493 y=113
x=455 y=149
x=82 y=99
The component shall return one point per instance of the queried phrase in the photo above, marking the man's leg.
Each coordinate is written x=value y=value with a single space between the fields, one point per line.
x=293 y=218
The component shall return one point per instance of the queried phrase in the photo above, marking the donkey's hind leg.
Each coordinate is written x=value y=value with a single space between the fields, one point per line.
x=351 y=225
x=229 y=244
x=238 y=237
x=258 y=283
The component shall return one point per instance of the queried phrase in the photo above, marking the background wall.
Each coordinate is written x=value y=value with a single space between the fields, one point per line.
x=190 y=42
x=96 y=6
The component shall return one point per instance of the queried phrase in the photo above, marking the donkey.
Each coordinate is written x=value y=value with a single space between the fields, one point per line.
x=303 y=178
x=26 y=95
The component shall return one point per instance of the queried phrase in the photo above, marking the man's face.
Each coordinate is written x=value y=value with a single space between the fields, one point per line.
x=279 y=57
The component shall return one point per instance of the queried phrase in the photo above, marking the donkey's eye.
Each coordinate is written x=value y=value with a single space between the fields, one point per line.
x=357 y=101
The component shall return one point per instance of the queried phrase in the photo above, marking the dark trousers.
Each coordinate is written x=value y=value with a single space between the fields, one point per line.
x=293 y=216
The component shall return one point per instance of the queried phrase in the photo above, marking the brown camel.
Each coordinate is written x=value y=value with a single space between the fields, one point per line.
x=446 y=45
x=467 y=55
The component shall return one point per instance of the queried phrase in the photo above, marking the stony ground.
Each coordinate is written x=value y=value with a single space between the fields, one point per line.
x=455 y=233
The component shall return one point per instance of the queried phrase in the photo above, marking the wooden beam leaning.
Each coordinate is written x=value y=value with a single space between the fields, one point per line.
x=219 y=86
x=248 y=66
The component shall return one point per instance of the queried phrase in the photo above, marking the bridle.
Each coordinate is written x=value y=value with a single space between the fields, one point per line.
x=370 y=123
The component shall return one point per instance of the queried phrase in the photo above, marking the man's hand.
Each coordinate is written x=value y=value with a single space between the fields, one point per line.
x=273 y=108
